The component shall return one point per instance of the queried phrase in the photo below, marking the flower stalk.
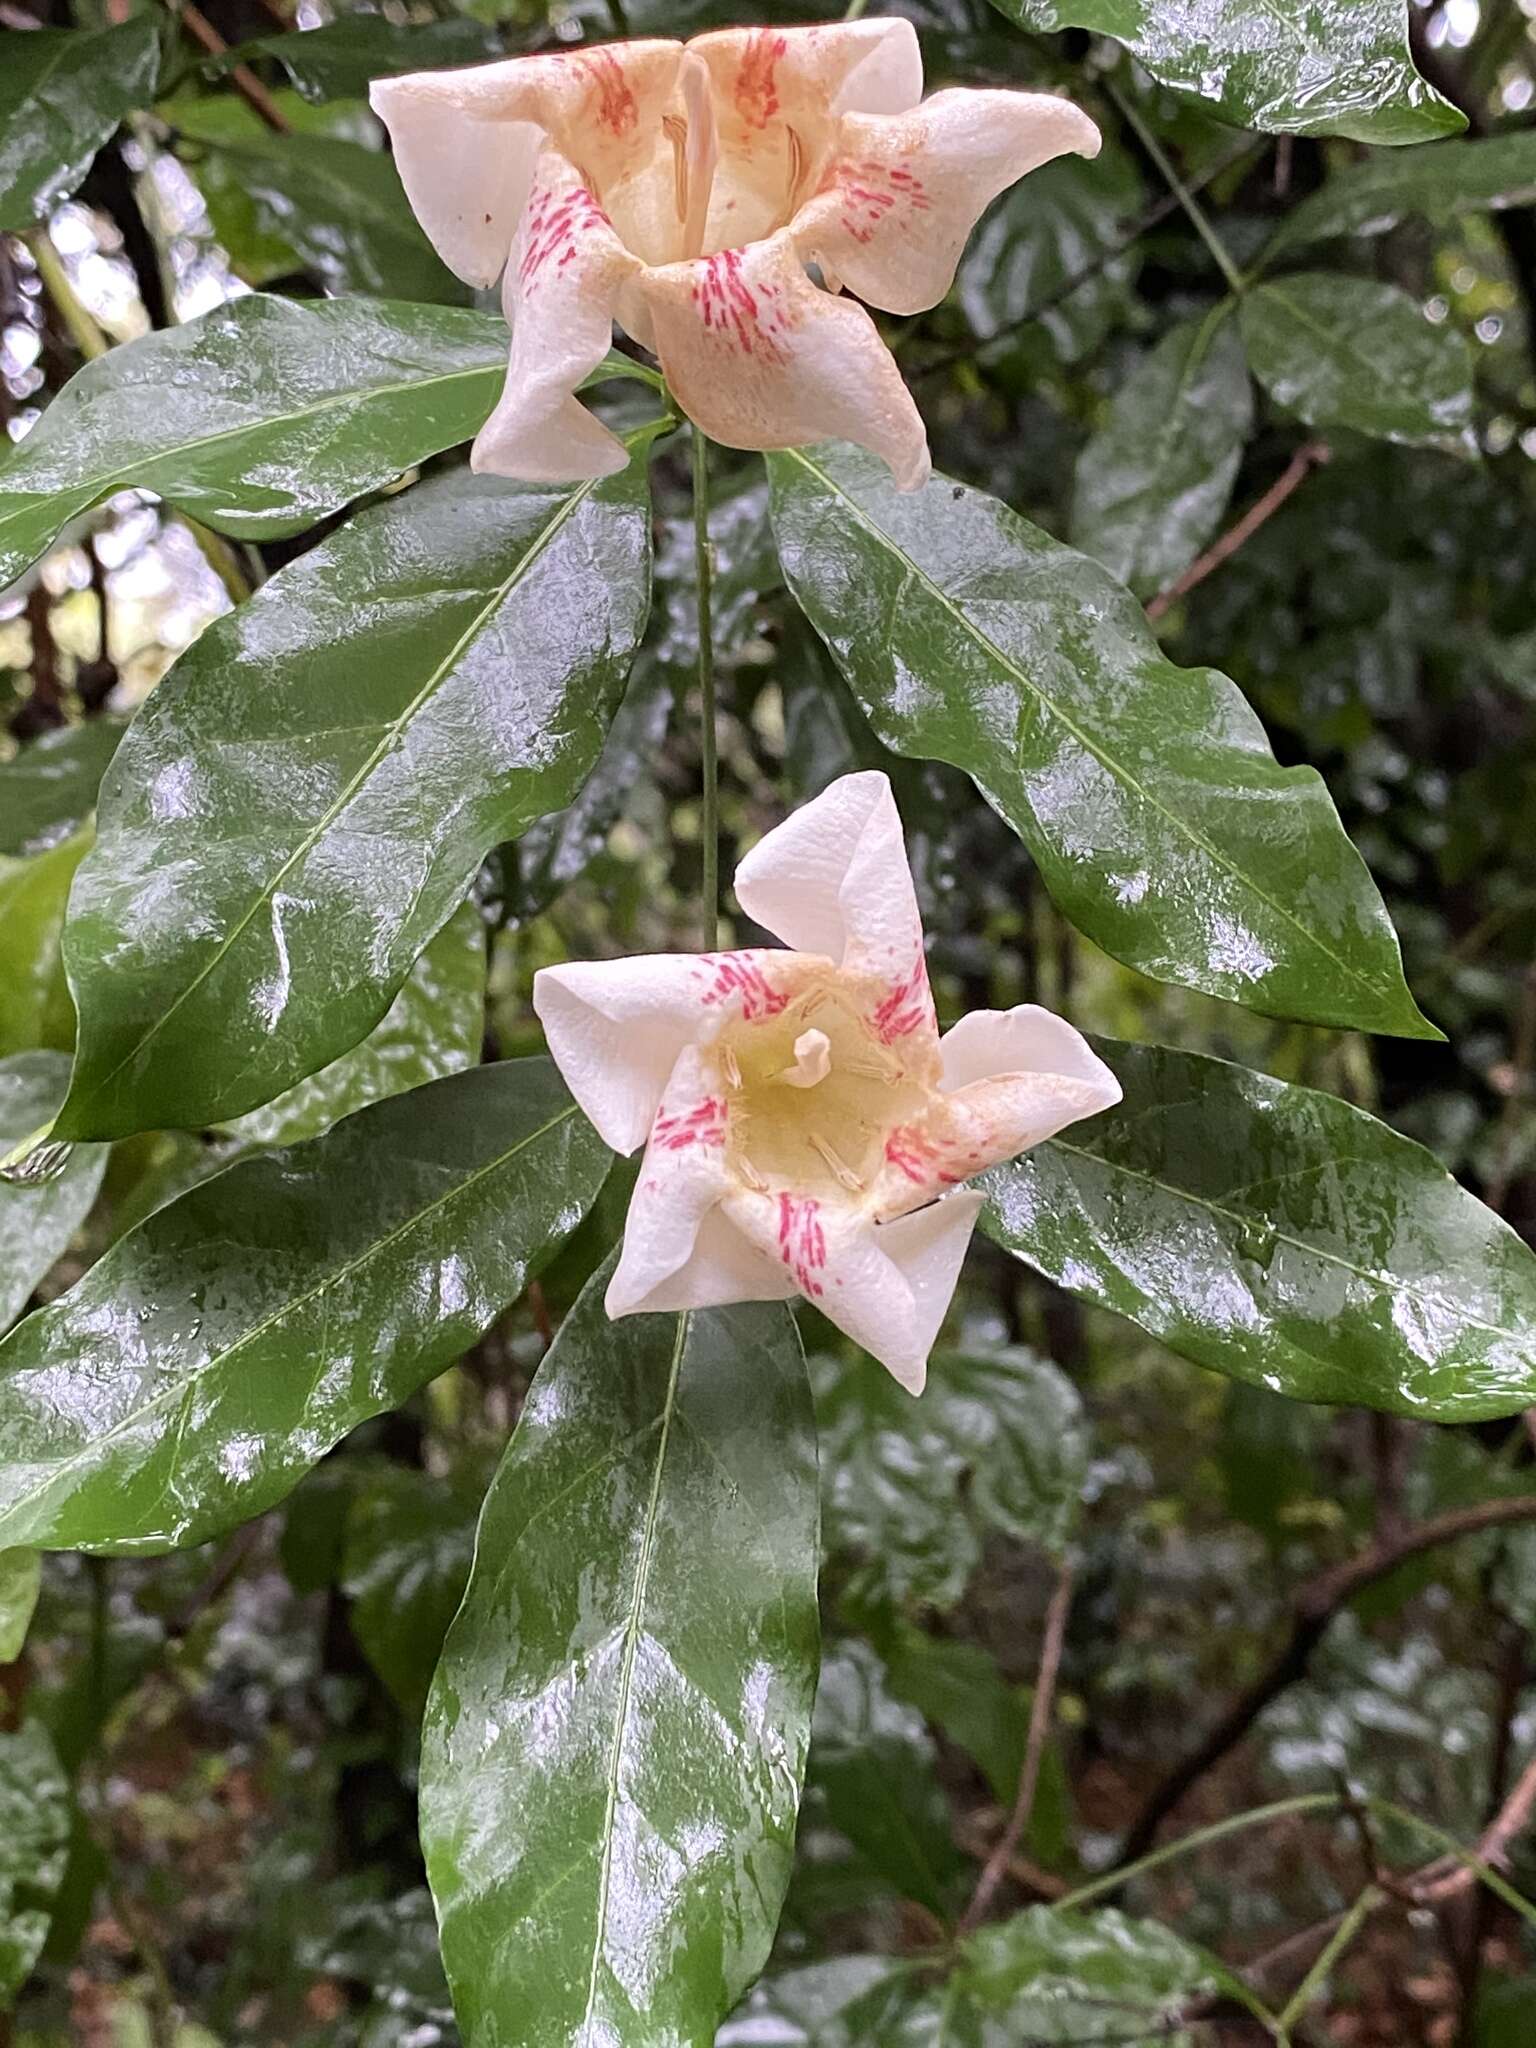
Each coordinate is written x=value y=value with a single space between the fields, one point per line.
x=709 y=747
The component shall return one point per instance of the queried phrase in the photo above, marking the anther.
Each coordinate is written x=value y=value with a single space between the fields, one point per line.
x=732 y=1067
x=750 y=1175
x=840 y=1168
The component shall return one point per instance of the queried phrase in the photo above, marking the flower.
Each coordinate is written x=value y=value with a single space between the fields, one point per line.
x=683 y=189
x=806 y=1130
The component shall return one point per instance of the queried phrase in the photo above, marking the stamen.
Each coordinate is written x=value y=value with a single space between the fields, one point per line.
x=701 y=153
x=750 y=1174
x=675 y=128
x=868 y=1071
x=732 y=1066
x=840 y=1168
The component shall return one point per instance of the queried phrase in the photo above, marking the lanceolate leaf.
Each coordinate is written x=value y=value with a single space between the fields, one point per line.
x=1346 y=352
x=219 y=1350
x=1333 y=67
x=1153 y=482
x=1146 y=793
x=305 y=797
x=38 y=1219
x=615 y=1739
x=1281 y=1236
x=259 y=418
x=62 y=92
x=1368 y=198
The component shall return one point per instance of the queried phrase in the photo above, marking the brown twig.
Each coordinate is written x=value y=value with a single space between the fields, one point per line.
x=1313 y=1607
x=246 y=83
x=1436 y=1883
x=1309 y=456
x=996 y=1867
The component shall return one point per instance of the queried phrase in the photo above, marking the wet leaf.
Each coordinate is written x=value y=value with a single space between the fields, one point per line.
x=49 y=788
x=1346 y=352
x=1146 y=793
x=435 y=1026
x=306 y=796
x=259 y=418
x=912 y=1489
x=1051 y=1977
x=38 y=1219
x=1336 y=67
x=1153 y=482
x=21 y=1576
x=339 y=59
x=1281 y=1236
x=824 y=2005
x=1487 y=173
x=405 y=1563
x=613 y=1748
x=35 y=1009
x=62 y=93
x=221 y=1348
x=34 y=1837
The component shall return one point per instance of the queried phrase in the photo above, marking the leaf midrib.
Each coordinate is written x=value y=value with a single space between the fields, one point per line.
x=1107 y=761
x=1340 y=345
x=164 y=1397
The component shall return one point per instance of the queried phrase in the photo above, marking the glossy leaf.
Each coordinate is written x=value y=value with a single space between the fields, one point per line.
x=997 y=1444
x=872 y=1777
x=336 y=203
x=260 y=418
x=1153 y=482
x=35 y=1009
x=305 y=797
x=49 y=788
x=613 y=1748
x=21 y=1577
x=1488 y=173
x=339 y=59
x=62 y=93
x=1146 y=793
x=435 y=1026
x=219 y=1350
x=34 y=1836
x=1335 y=67
x=1347 y=352
x=835 y=2004
x=405 y=1563
x=1053 y=1977
x=38 y=1219
x=1281 y=1236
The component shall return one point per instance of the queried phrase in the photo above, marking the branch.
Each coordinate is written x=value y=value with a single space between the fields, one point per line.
x=1311 y=455
x=1436 y=1883
x=997 y=1864
x=246 y=83
x=1313 y=1607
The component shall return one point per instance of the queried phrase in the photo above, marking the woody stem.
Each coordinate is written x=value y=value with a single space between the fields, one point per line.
x=709 y=762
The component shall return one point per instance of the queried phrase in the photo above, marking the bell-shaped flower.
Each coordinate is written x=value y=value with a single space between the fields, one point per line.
x=806 y=1129
x=686 y=190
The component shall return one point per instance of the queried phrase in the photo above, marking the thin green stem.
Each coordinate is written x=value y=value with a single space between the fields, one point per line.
x=1449 y=1846
x=1179 y=189
x=1340 y=1940
x=854 y=9
x=1235 y=1824
x=84 y=331
x=709 y=753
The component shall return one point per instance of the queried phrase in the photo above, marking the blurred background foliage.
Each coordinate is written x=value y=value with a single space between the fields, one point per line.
x=231 y=1814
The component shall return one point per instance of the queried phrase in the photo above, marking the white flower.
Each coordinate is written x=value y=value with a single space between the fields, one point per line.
x=683 y=189
x=806 y=1131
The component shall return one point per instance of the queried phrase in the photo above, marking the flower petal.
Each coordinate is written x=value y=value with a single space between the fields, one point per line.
x=929 y=1248
x=616 y=1029
x=561 y=289
x=892 y=211
x=1014 y=1078
x=1025 y=1040
x=761 y=357
x=834 y=879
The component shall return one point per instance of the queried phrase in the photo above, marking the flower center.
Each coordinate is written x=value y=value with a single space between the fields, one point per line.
x=811 y=1094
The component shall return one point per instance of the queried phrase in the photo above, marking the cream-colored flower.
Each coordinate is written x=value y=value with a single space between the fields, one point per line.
x=684 y=189
x=806 y=1130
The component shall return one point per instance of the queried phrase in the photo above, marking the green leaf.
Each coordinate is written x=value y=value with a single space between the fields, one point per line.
x=912 y=1488
x=50 y=787
x=837 y=2004
x=1153 y=482
x=38 y=1219
x=337 y=204
x=872 y=1778
x=260 y=418
x=1346 y=352
x=35 y=1009
x=1280 y=1236
x=613 y=1749
x=341 y=58
x=1146 y=793
x=62 y=93
x=34 y=1839
x=220 y=1349
x=306 y=796
x=409 y=1539
x=1333 y=67
x=1056 y=1977
x=1488 y=173
x=435 y=1026
x=21 y=1578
